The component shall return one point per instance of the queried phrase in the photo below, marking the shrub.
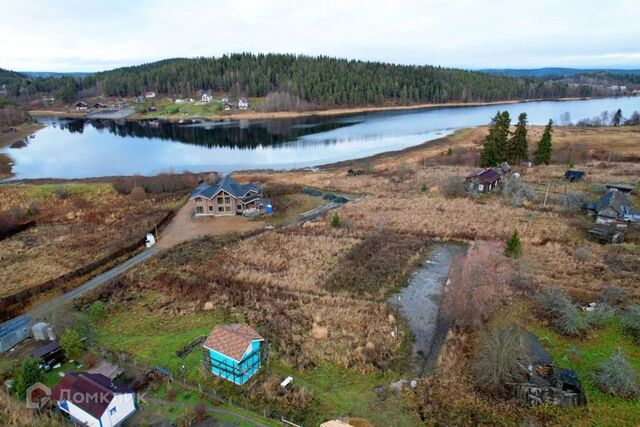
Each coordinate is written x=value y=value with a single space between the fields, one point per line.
x=72 y=344
x=335 y=221
x=602 y=314
x=454 y=187
x=16 y=212
x=614 y=296
x=571 y=321
x=200 y=411
x=479 y=280
x=33 y=209
x=62 y=192
x=97 y=311
x=514 y=246
x=582 y=254
x=403 y=171
x=273 y=189
x=630 y=319
x=573 y=202
x=90 y=360
x=617 y=377
x=517 y=191
x=28 y=374
x=123 y=186
x=6 y=223
x=424 y=188
x=501 y=358
x=552 y=301
x=172 y=393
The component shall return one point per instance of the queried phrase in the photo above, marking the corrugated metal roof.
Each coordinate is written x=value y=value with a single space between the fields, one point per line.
x=228 y=184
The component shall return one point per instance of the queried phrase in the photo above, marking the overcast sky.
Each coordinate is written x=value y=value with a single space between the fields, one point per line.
x=90 y=35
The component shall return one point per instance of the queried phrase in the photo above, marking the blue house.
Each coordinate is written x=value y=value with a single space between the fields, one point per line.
x=234 y=352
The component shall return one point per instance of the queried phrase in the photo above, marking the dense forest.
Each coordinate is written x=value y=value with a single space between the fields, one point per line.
x=304 y=81
x=319 y=80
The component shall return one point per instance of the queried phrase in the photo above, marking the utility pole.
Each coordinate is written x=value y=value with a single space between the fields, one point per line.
x=546 y=195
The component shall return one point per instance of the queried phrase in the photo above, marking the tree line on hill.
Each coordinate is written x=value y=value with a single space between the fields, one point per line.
x=299 y=80
x=502 y=145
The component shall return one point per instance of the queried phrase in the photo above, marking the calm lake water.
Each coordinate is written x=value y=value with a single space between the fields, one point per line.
x=81 y=148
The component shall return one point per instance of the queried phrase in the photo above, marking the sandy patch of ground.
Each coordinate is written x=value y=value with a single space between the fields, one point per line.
x=185 y=227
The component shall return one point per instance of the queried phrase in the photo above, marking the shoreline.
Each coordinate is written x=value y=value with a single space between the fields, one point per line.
x=6 y=139
x=342 y=111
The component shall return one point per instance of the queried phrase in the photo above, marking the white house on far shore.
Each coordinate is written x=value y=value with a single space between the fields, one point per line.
x=243 y=104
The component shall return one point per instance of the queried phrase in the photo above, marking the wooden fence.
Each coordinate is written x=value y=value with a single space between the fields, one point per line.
x=19 y=297
x=16 y=229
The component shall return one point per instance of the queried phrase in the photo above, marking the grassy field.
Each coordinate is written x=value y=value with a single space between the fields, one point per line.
x=318 y=292
x=76 y=223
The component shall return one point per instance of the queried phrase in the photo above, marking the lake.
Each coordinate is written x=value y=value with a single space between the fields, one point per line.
x=91 y=148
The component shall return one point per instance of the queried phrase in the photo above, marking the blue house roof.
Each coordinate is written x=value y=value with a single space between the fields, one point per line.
x=228 y=184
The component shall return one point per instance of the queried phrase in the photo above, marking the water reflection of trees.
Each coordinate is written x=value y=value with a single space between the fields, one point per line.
x=266 y=133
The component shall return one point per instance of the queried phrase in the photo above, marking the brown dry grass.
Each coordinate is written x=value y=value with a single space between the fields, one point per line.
x=14 y=414
x=91 y=222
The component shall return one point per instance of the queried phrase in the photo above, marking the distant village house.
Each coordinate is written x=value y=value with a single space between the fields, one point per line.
x=149 y=95
x=243 y=104
x=81 y=106
x=227 y=197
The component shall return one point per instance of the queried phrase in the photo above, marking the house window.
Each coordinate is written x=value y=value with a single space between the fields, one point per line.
x=220 y=200
x=220 y=209
x=199 y=209
x=227 y=199
x=210 y=208
x=239 y=207
x=112 y=411
x=198 y=199
x=227 y=208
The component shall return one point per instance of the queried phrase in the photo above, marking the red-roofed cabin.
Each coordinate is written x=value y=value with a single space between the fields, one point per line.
x=483 y=181
x=93 y=400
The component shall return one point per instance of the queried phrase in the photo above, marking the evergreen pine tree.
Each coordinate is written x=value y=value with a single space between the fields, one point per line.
x=335 y=221
x=543 y=152
x=514 y=246
x=497 y=141
x=617 y=118
x=28 y=374
x=518 y=149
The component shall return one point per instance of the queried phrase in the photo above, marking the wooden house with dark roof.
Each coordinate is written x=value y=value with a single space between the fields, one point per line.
x=234 y=352
x=93 y=400
x=227 y=197
x=483 y=180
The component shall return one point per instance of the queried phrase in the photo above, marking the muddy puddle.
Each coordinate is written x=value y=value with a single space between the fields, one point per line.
x=418 y=303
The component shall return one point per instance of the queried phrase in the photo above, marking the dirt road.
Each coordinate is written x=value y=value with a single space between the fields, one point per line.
x=185 y=227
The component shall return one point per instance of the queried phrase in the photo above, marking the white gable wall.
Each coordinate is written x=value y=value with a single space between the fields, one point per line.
x=124 y=404
x=82 y=416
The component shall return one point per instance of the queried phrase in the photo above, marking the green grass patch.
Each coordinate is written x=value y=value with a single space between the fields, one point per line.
x=343 y=392
x=153 y=338
x=72 y=189
x=604 y=410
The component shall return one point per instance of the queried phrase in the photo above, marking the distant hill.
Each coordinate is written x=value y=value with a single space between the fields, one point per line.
x=46 y=74
x=553 y=71
x=321 y=81
x=8 y=77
